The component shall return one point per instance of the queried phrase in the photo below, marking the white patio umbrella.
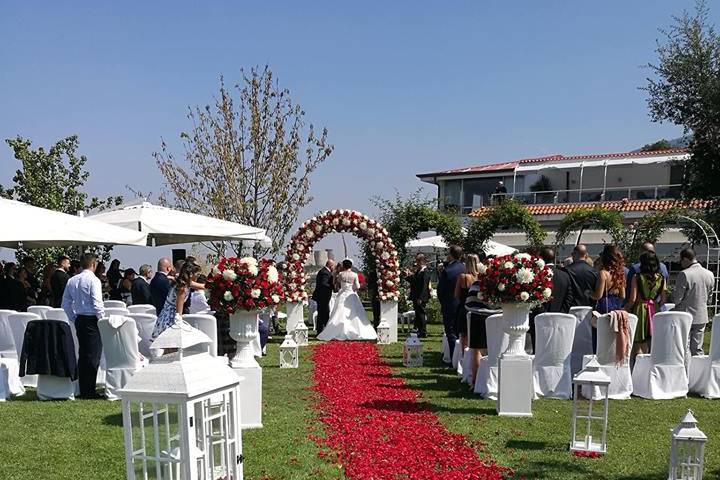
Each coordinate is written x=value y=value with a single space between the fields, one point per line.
x=166 y=226
x=435 y=244
x=36 y=227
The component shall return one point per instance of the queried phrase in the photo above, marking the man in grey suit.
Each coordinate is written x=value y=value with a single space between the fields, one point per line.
x=693 y=288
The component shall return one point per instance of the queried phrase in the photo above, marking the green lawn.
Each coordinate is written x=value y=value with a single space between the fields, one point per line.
x=83 y=439
x=537 y=447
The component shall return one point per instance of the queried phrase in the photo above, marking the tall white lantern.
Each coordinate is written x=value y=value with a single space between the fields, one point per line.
x=181 y=416
x=413 y=351
x=589 y=422
x=687 y=450
x=289 y=353
x=300 y=334
x=383 y=333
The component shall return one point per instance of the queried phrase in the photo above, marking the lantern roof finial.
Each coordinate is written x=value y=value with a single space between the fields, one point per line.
x=687 y=429
x=592 y=373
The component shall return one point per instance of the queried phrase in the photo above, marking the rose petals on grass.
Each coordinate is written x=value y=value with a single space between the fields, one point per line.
x=378 y=429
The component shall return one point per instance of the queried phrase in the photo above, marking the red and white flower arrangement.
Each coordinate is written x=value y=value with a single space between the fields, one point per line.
x=519 y=278
x=335 y=221
x=249 y=284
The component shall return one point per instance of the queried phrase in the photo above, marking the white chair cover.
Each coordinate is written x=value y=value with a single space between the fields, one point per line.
x=10 y=383
x=39 y=310
x=120 y=345
x=582 y=340
x=667 y=307
x=206 y=324
x=705 y=369
x=661 y=375
x=312 y=312
x=445 y=350
x=116 y=311
x=7 y=339
x=466 y=359
x=18 y=322
x=56 y=314
x=142 y=308
x=60 y=315
x=114 y=304
x=456 y=356
x=145 y=323
x=554 y=335
x=621 y=385
x=486 y=382
x=50 y=387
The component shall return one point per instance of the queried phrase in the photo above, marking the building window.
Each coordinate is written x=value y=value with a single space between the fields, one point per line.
x=451 y=193
x=477 y=193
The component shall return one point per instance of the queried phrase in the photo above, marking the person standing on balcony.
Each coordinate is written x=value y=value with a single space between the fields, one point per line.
x=446 y=293
x=500 y=192
x=583 y=276
x=693 y=289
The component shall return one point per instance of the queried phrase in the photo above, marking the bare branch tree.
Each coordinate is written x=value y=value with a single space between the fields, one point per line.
x=245 y=159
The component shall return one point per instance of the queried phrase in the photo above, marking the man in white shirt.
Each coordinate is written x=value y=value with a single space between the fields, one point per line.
x=83 y=304
x=693 y=288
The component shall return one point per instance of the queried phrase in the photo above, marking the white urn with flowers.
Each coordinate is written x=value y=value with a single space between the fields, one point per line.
x=518 y=283
x=241 y=287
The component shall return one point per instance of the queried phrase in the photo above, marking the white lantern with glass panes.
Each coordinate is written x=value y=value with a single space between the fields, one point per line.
x=687 y=450
x=181 y=416
x=300 y=334
x=289 y=353
x=383 y=333
x=413 y=351
x=589 y=417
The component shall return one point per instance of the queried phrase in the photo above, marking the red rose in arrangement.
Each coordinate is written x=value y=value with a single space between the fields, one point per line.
x=244 y=284
x=519 y=278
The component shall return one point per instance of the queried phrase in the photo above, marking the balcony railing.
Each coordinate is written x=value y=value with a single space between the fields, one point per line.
x=608 y=194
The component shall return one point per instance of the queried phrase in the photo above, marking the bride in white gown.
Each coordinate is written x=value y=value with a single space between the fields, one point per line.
x=348 y=320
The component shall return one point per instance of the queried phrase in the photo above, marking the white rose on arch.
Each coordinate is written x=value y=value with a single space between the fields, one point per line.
x=363 y=226
x=296 y=257
x=318 y=228
x=385 y=256
x=309 y=234
x=380 y=244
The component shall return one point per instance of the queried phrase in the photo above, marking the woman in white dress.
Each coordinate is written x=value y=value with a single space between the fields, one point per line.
x=348 y=320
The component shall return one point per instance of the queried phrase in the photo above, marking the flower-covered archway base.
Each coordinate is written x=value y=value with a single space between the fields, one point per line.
x=342 y=221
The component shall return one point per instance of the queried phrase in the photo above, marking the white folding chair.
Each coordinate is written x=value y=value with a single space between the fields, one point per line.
x=582 y=340
x=621 y=385
x=554 y=335
x=486 y=382
x=456 y=357
x=142 y=308
x=667 y=307
x=661 y=375
x=39 y=310
x=145 y=323
x=123 y=359
x=312 y=312
x=116 y=311
x=445 y=350
x=114 y=304
x=705 y=369
x=52 y=387
x=407 y=319
x=206 y=324
x=10 y=384
x=7 y=339
x=466 y=360
x=18 y=322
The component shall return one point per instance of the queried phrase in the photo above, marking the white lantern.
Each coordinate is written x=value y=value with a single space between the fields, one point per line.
x=181 y=415
x=383 y=333
x=300 y=334
x=592 y=422
x=687 y=450
x=289 y=353
x=413 y=351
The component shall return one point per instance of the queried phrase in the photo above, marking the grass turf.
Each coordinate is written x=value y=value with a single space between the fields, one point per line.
x=537 y=447
x=83 y=440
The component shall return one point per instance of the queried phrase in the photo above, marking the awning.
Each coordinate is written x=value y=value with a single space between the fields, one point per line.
x=610 y=162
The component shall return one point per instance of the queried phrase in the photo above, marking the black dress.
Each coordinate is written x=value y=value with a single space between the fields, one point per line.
x=461 y=317
x=478 y=333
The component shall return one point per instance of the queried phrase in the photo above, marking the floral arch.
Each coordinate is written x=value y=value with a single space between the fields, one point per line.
x=338 y=221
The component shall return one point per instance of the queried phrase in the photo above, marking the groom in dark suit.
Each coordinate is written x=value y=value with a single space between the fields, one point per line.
x=323 y=294
x=419 y=280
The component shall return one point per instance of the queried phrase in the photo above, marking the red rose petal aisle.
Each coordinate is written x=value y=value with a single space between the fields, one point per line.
x=377 y=427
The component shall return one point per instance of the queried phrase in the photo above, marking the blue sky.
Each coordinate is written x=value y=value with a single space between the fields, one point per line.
x=403 y=87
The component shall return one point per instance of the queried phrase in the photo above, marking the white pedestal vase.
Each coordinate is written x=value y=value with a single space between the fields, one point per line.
x=389 y=313
x=515 y=383
x=294 y=311
x=244 y=330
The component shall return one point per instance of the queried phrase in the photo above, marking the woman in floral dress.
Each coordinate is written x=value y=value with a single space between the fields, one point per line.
x=176 y=298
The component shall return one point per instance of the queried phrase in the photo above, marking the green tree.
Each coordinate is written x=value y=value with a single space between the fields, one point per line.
x=54 y=179
x=655 y=146
x=248 y=159
x=686 y=92
x=509 y=213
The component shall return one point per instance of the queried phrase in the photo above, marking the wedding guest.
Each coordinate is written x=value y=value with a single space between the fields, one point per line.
x=693 y=288
x=45 y=297
x=324 y=285
x=100 y=274
x=26 y=288
x=199 y=301
x=125 y=285
x=462 y=289
x=647 y=295
x=562 y=292
x=83 y=304
x=13 y=291
x=59 y=279
x=610 y=287
x=477 y=338
x=446 y=293
x=75 y=267
x=635 y=269
x=114 y=276
x=419 y=280
x=567 y=262
x=30 y=266
x=160 y=284
x=584 y=278
x=176 y=298
x=140 y=288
